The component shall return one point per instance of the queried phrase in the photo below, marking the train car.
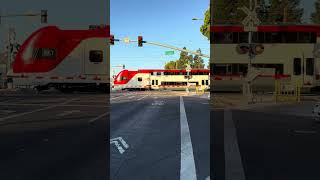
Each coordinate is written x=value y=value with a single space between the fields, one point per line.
x=161 y=79
x=63 y=59
x=290 y=51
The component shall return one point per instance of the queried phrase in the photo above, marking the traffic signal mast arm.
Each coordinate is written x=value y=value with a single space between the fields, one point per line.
x=175 y=48
x=43 y=14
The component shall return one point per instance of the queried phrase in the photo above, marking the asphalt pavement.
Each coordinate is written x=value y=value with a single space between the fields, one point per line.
x=278 y=141
x=53 y=136
x=159 y=135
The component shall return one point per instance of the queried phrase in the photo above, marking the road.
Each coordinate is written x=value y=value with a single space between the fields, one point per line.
x=53 y=136
x=267 y=142
x=159 y=135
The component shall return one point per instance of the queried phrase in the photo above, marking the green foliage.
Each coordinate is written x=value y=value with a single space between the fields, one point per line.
x=196 y=62
x=285 y=11
x=170 y=65
x=315 y=16
x=205 y=28
x=269 y=12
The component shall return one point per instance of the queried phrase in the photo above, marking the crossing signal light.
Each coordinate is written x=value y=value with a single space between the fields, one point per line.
x=44 y=16
x=140 y=41
x=243 y=48
x=257 y=49
x=112 y=39
x=253 y=49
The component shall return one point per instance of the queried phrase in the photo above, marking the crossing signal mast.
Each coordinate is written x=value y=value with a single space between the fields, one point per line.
x=250 y=25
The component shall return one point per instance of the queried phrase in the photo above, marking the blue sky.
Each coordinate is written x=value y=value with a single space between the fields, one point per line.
x=166 y=21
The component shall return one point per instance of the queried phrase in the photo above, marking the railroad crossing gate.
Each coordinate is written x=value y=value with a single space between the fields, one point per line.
x=287 y=91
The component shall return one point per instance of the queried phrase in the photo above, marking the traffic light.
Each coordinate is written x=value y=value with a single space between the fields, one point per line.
x=44 y=16
x=112 y=39
x=140 y=41
x=123 y=66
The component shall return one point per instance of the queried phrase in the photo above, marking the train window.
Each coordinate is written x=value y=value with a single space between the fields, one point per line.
x=124 y=78
x=309 y=66
x=219 y=69
x=139 y=78
x=291 y=37
x=44 y=53
x=96 y=56
x=243 y=37
x=235 y=37
x=221 y=37
x=207 y=82
x=304 y=37
x=158 y=73
x=202 y=82
x=297 y=66
x=243 y=68
x=156 y=82
x=273 y=37
x=152 y=82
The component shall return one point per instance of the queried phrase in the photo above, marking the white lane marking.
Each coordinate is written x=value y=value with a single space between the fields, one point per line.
x=120 y=148
x=234 y=168
x=187 y=168
x=158 y=103
x=97 y=118
x=142 y=97
x=66 y=113
x=34 y=111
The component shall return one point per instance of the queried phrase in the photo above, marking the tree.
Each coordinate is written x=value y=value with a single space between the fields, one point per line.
x=194 y=61
x=228 y=12
x=315 y=16
x=205 y=28
x=170 y=65
x=198 y=62
x=285 y=11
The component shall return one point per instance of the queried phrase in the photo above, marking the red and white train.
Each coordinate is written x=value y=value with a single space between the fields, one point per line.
x=161 y=79
x=63 y=59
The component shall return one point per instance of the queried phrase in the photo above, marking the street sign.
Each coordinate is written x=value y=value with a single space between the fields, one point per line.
x=169 y=53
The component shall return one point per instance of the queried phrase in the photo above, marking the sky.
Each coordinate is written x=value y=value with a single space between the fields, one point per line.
x=166 y=21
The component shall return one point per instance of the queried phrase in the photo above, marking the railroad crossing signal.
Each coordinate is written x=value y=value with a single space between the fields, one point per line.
x=140 y=41
x=252 y=20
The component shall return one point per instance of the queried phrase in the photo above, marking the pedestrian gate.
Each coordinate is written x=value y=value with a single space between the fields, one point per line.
x=287 y=91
